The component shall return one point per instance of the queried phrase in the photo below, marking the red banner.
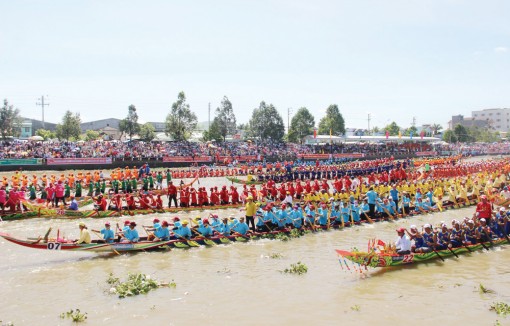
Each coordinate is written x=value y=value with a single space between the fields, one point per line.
x=77 y=160
x=240 y=158
x=349 y=155
x=200 y=159
x=429 y=153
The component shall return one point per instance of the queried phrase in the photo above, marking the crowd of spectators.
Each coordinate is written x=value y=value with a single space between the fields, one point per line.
x=157 y=150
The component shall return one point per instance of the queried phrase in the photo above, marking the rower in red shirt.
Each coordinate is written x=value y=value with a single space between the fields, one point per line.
x=484 y=208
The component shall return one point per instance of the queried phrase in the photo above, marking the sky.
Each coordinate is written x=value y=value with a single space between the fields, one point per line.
x=395 y=60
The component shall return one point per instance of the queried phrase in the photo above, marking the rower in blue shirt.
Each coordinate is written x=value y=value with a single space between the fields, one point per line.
x=204 y=228
x=335 y=214
x=323 y=214
x=355 y=210
x=346 y=212
x=108 y=234
x=131 y=235
x=241 y=227
x=161 y=232
x=224 y=227
x=371 y=199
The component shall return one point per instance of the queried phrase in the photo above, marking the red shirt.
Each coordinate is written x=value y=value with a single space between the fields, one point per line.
x=484 y=209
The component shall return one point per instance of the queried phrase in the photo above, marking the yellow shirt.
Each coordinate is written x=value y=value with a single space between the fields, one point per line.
x=84 y=236
x=251 y=208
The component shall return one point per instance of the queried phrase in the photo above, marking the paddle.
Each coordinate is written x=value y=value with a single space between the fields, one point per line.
x=453 y=252
x=109 y=244
x=386 y=211
x=438 y=255
x=366 y=215
x=190 y=243
x=208 y=242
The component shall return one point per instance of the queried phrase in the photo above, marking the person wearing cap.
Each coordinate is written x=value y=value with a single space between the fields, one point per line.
x=184 y=231
x=74 y=204
x=403 y=243
x=456 y=235
x=470 y=232
x=84 y=234
x=484 y=208
x=296 y=215
x=251 y=209
x=443 y=237
x=204 y=228
x=155 y=228
x=161 y=232
x=131 y=234
x=107 y=232
x=483 y=232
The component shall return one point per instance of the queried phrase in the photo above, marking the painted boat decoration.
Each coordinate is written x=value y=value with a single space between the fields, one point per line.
x=376 y=259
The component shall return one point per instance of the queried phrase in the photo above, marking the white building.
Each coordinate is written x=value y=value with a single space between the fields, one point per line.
x=497 y=119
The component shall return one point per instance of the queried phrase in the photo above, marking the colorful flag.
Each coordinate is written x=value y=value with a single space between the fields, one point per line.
x=381 y=243
x=315 y=133
x=399 y=134
x=422 y=133
x=387 y=134
x=411 y=135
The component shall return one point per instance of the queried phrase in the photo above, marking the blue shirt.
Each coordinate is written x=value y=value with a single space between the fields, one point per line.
x=371 y=197
x=241 y=228
x=162 y=232
x=132 y=235
x=394 y=194
x=74 y=205
x=108 y=234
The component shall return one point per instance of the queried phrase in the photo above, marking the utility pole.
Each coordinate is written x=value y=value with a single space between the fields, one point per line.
x=368 y=124
x=209 y=125
x=414 y=121
x=289 y=112
x=42 y=104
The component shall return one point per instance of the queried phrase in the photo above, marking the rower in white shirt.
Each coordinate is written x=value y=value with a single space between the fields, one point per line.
x=403 y=244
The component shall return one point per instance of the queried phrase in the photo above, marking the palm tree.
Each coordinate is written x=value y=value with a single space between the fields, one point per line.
x=435 y=128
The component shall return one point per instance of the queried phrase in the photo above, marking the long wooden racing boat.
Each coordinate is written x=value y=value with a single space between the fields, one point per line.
x=284 y=234
x=244 y=182
x=39 y=211
x=376 y=259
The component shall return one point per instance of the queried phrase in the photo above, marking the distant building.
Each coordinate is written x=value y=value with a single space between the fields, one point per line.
x=38 y=124
x=100 y=124
x=26 y=129
x=496 y=119
x=466 y=122
x=158 y=126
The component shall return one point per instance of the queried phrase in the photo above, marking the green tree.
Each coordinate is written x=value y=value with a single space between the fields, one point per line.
x=301 y=125
x=91 y=135
x=462 y=134
x=180 y=122
x=333 y=121
x=449 y=136
x=375 y=130
x=10 y=120
x=70 y=126
x=45 y=134
x=225 y=118
x=393 y=129
x=130 y=124
x=214 y=132
x=147 y=132
x=408 y=131
x=267 y=123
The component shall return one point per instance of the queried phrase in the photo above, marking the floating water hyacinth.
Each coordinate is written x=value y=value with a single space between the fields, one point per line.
x=134 y=285
x=76 y=315
x=298 y=268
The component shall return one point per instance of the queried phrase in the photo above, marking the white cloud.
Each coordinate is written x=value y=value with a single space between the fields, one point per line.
x=501 y=49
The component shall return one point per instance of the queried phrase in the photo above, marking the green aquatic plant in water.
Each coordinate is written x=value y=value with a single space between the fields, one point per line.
x=76 y=315
x=134 y=285
x=500 y=308
x=276 y=255
x=483 y=290
x=282 y=237
x=298 y=268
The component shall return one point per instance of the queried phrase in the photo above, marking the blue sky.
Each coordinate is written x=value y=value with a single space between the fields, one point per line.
x=393 y=59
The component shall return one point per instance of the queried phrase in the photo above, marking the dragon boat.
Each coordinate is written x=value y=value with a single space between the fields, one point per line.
x=144 y=245
x=376 y=259
x=39 y=211
x=245 y=182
